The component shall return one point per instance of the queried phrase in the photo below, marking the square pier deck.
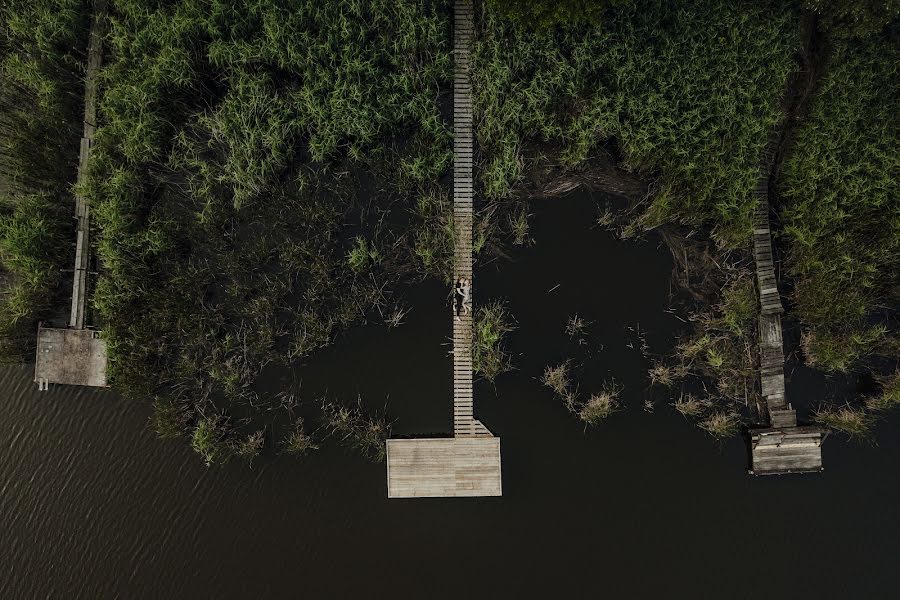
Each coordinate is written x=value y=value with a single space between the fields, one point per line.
x=444 y=467
x=70 y=357
x=776 y=451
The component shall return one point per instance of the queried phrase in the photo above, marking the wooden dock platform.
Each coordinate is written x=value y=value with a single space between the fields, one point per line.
x=55 y=364
x=783 y=447
x=444 y=467
x=469 y=463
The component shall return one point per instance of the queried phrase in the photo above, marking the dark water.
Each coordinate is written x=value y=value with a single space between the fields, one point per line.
x=646 y=506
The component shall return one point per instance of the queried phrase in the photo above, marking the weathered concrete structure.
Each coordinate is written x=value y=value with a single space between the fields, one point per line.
x=77 y=356
x=70 y=357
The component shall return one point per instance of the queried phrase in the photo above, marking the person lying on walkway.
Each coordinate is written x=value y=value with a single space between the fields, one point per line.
x=466 y=292
x=458 y=297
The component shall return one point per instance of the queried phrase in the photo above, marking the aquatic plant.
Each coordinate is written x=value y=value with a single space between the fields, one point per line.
x=42 y=46
x=208 y=440
x=576 y=328
x=599 y=406
x=841 y=210
x=661 y=374
x=721 y=424
x=557 y=378
x=298 y=442
x=888 y=397
x=573 y=87
x=856 y=422
x=691 y=406
x=169 y=419
x=251 y=445
x=491 y=324
x=357 y=430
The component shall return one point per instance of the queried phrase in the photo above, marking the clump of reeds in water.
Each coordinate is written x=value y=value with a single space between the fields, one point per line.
x=721 y=424
x=690 y=406
x=576 y=329
x=251 y=446
x=591 y=411
x=599 y=406
x=557 y=378
x=854 y=421
x=364 y=433
x=491 y=324
x=208 y=440
x=298 y=442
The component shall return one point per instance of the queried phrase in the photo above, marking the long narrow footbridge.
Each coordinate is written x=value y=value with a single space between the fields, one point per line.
x=783 y=446
x=76 y=355
x=468 y=464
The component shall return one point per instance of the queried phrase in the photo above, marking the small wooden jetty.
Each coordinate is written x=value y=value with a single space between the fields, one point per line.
x=468 y=464
x=77 y=355
x=783 y=447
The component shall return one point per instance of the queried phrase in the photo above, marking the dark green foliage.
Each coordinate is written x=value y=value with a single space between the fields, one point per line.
x=688 y=93
x=542 y=14
x=841 y=189
x=853 y=18
x=41 y=48
x=491 y=325
x=231 y=154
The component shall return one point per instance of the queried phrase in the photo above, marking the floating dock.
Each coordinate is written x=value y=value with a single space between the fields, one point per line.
x=467 y=464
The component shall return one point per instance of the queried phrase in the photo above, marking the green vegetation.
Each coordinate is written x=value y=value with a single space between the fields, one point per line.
x=265 y=174
x=854 y=18
x=298 y=442
x=242 y=153
x=355 y=429
x=599 y=406
x=842 y=204
x=41 y=52
x=491 y=324
x=542 y=14
x=853 y=420
x=688 y=95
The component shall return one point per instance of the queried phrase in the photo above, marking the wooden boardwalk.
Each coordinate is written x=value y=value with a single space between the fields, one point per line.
x=464 y=421
x=76 y=356
x=82 y=209
x=469 y=463
x=782 y=447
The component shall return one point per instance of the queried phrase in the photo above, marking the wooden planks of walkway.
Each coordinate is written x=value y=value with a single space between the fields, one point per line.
x=783 y=447
x=464 y=421
x=77 y=356
x=469 y=463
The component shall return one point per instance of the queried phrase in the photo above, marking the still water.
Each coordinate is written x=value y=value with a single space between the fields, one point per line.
x=93 y=506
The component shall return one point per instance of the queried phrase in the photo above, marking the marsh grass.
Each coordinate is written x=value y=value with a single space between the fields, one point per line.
x=298 y=442
x=251 y=445
x=721 y=424
x=169 y=419
x=691 y=406
x=491 y=324
x=357 y=430
x=557 y=378
x=599 y=406
x=576 y=329
x=208 y=440
x=842 y=247
x=855 y=421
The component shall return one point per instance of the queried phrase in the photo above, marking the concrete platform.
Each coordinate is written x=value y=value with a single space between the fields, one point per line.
x=70 y=357
x=444 y=467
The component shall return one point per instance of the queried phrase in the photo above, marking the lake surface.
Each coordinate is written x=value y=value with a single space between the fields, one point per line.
x=92 y=505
